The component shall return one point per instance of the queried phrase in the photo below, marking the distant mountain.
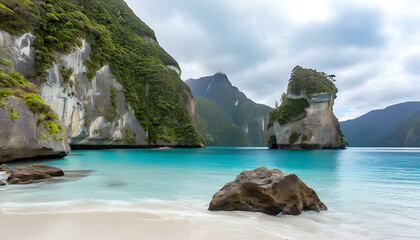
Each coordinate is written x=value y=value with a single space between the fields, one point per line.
x=251 y=117
x=395 y=126
x=216 y=126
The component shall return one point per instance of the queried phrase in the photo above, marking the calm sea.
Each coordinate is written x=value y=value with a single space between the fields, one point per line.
x=371 y=193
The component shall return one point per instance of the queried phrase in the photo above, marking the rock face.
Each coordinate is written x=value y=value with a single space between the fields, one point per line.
x=23 y=138
x=305 y=118
x=106 y=91
x=32 y=173
x=94 y=111
x=267 y=191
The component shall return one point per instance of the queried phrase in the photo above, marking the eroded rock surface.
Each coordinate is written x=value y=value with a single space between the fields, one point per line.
x=23 y=138
x=269 y=191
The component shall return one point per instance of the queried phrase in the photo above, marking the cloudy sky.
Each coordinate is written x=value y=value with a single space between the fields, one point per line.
x=372 y=46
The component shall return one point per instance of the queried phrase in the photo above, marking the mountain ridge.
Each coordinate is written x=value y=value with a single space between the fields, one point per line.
x=382 y=127
x=245 y=113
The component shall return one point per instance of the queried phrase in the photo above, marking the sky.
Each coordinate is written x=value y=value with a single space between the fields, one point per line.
x=371 y=46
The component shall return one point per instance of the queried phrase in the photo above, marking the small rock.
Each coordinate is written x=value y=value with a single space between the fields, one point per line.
x=32 y=173
x=14 y=181
x=268 y=191
x=3 y=167
x=3 y=182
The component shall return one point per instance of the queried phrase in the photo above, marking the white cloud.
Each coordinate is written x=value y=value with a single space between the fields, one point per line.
x=371 y=46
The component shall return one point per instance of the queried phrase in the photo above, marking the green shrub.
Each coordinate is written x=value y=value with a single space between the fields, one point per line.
x=310 y=81
x=6 y=62
x=129 y=137
x=66 y=74
x=12 y=79
x=54 y=129
x=37 y=105
x=294 y=137
x=4 y=93
x=289 y=110
x=13 y=114
x=112 y=112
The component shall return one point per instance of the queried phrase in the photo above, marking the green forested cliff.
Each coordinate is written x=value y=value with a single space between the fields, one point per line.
x=246 y=115
x=217 y=127
x=118 y=37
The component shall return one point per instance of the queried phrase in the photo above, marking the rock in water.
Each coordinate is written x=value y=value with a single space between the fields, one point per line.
x=3 y=167
x=305 y=118
x=32 y=173
x=268 y=191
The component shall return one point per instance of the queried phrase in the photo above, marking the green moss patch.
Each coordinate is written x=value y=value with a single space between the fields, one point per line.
x=55 y=130
x=37 y=105
x=289 y=110
x=5 y=62
x=13 y=114
x=66 y=74
x=294 y=137
x=12 y=83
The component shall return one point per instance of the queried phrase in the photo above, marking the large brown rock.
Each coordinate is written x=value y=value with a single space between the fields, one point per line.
x=268 y=191
x=32 y=173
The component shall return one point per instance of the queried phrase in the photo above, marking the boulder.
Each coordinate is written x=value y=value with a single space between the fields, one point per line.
x=3 y=167
x=32 y=173
x=269 y=191
x=14 y=181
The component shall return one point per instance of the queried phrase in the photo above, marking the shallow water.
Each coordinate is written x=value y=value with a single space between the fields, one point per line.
x=371 y=193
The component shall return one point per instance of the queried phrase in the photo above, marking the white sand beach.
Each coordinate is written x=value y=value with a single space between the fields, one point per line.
x=118 y=225
x=168 y=220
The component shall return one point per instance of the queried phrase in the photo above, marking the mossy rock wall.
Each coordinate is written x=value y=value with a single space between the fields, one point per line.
x=152 y=89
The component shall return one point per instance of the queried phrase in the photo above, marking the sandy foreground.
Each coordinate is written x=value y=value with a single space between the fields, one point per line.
x=119 y=225
x=174 y=220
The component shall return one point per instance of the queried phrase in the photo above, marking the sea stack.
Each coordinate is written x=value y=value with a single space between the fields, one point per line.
x=305 y=118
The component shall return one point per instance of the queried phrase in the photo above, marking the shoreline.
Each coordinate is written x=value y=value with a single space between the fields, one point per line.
x=123 y=220
x=178 y=220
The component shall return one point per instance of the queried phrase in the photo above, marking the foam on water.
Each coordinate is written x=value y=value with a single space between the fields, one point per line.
x=3 y=175
x=371 y=193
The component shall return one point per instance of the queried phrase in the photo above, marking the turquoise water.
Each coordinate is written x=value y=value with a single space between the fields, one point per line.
x=377 y=188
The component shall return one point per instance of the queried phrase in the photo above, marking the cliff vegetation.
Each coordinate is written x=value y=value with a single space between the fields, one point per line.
x=216 y=127
x=310 y=81
x=249 y=117
x=13 y=83
x=118 y=37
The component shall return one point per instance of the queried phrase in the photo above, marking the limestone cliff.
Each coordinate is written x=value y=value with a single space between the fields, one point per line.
x=305 y=118
x=101 y=69
x=21 y=136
